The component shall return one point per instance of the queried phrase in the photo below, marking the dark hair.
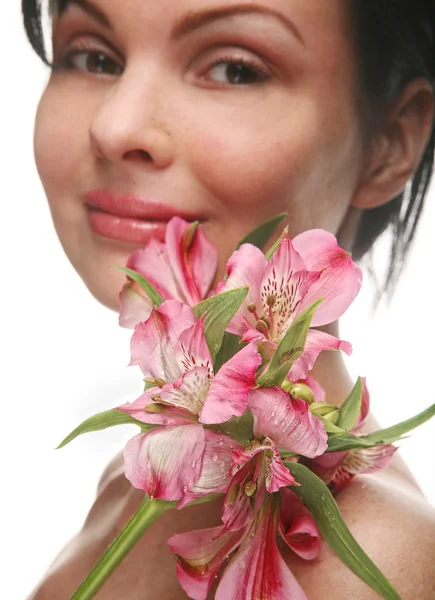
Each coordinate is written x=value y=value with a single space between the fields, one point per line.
x=395 y=41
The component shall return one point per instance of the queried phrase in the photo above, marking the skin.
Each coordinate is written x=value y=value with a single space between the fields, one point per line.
x=234 y=155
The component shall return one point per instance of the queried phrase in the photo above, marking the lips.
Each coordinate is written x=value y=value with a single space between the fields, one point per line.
x=130 y=218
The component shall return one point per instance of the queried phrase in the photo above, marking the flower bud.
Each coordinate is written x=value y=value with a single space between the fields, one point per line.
x=327 y=411
x=300 y=390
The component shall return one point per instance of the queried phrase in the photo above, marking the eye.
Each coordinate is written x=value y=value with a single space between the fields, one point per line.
x=91 y=61
x=236 y=72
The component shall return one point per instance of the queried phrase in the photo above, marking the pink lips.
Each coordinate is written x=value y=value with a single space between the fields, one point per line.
x=130 y=218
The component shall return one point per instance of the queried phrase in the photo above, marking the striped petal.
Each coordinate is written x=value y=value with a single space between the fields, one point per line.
x=165 y=461
x=257 y=569
x=199 y=556
x=340 y=280
x=228 y=393
x=297 y=526
x=288 y=421
x=317 y=341
x=361 y=462
x=215 y=470
x=153 y=342
x=244 y=268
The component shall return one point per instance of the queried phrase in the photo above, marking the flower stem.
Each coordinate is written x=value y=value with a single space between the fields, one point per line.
x=147 y=513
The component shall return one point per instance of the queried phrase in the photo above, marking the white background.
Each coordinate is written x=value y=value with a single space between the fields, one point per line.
x=64 y=357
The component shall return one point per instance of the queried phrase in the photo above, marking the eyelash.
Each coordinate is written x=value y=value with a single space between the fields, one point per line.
x=65 y=62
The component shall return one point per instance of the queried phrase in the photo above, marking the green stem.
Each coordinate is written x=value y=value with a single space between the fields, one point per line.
x=147 y=513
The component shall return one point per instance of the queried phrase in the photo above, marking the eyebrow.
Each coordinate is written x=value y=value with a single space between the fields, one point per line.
x=89 y=8
x=196 y=20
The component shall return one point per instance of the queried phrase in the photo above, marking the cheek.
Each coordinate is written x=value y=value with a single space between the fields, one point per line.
x=283 y=155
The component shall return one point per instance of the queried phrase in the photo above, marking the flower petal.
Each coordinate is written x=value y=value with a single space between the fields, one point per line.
x=189 y=392
x=340 y=280
x=326 y=465
x=166 y=461
x=277 y=474
x=284 y=279
x=288 y=421
x=199 y=556
x=192 y=351
x=153 y=342
x=258 y=570
x=153 y=263
x=239 y=509
x=360 y=462
x=135 y=306
x=158 y=414
x=365 y=405
x=244 y=268
x=215 y=471
x=228 y=393
x=297 y=526
x=203 y=261
x=317 y=341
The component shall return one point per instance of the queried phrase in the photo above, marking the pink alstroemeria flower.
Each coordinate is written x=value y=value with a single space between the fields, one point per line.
x=182 y=268
x=281 y=421
x=302 y=271
x=339 y=468
x=179 y=459
x=256 y=568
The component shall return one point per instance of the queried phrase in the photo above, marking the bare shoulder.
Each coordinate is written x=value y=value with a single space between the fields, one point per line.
x=395 y=526
x=388 y=517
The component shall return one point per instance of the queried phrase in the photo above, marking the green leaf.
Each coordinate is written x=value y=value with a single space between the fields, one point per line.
x=104 y=420
x=147 y=513
x=347 y=441
x=342 y=443
x=258 y=237
x=395 y=433
x=331 y=428
x=147 y=287
x=230 y=346
x=320 y=502
x=289 y=349
x=351 y=408
x=276 y=245
x=218 y=311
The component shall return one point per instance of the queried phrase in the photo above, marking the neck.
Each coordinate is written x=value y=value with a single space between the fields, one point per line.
x=331 y=372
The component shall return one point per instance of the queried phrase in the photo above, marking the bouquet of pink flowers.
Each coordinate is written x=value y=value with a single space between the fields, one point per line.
x=230 y=408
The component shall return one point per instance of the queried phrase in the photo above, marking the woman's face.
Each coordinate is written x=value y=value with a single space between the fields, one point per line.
x=226 y=111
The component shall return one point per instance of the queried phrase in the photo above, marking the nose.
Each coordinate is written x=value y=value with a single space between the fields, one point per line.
x=128 y=128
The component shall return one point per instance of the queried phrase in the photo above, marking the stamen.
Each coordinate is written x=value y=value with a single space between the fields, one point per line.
x=154 y=408
x=250 y=488
x=262 y=327
x=252 y=308
x=233 y=493
x=271 y=300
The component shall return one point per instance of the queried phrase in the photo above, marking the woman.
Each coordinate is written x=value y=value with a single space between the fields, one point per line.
x=231 y=112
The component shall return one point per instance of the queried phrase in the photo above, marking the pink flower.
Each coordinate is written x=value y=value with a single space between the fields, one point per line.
x=301 y=272
x=256 y=568
x=339 y=468
x=183 y=268
x=280 y=421
x=179 y=459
